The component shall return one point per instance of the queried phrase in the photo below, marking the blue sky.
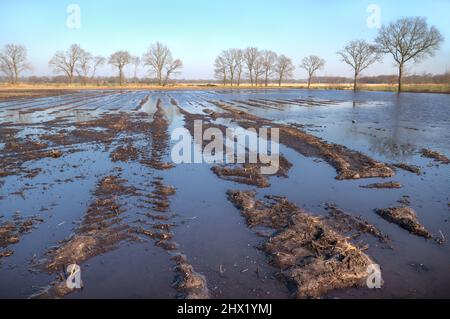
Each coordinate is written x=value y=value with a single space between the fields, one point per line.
x=197 y=30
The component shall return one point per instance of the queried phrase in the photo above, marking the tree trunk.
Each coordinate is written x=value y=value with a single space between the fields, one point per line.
x=355 y=82
x=120 y=76
x=309 y=81
x=400 y=76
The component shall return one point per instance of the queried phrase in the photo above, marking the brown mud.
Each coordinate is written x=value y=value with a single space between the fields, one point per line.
x=12 y=231
x=406 y=218
x=388 y=185
x=354 y=226
x=438 y=157
x=13 y=95
x=190 y=284
x=409 y=168
x=308 y=252
x=250 y=174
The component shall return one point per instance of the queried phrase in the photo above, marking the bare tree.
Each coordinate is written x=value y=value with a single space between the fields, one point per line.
x=268 y=61
x=284 y=68
x=220 y=69
x=312 y=64
x=120 y=59
x=171 y=67
x=13 y=60
x=136 y=61
x=98 y=61
x=408 y=39
x=229 y=56
x=359 y=55
x=258 y=69
x=250 y=59
x=66 y=62
x=84 y=65
x=159 y=58
x=239 y=59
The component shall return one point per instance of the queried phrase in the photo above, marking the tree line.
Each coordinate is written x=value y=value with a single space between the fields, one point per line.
x=75 y=61
x=405 y=40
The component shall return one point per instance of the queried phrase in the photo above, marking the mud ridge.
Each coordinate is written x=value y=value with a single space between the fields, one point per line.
x=348 y=163
x=406 y=218
x=438 y=157
x=306 y=250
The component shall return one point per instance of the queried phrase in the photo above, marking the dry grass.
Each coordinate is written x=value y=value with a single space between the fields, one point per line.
x=35 y=90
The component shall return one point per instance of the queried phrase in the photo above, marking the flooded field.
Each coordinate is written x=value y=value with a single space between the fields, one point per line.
x=87 y=178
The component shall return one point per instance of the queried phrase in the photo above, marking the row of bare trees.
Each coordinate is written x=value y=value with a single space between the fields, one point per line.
x=258 y=66
x=77 y=61
x=407 y=39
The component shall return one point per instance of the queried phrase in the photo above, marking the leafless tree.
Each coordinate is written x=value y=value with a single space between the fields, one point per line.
x=13 y=60
x=229 y=56
x=171 y=68
x=408 y=39
x=98 y=61
x=258 y=69
x=220 y=69
x=84 y=65
x=120 y=59
x=239 y=58
x=136 y=61
x=268 y=61
x=66 y=62
x=359 y=55
x=250 y=58
x=312 y=64
x=159 y=58
x=284 y=68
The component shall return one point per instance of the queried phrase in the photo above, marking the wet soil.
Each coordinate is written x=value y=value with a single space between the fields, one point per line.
x=348 y=163
x=382 y=185
x=406 y=218
x=92 y=177
x=308 y=252
x=438 y=157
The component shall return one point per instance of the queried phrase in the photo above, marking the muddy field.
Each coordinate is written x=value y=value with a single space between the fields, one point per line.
x=87 y=178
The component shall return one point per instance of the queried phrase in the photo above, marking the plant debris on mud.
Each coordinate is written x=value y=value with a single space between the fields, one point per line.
x=383 y=185
x=438 y=157
x=308 y=252
x=406 y=218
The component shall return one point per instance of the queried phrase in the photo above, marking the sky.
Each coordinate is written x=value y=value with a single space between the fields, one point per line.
x=197 y=30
